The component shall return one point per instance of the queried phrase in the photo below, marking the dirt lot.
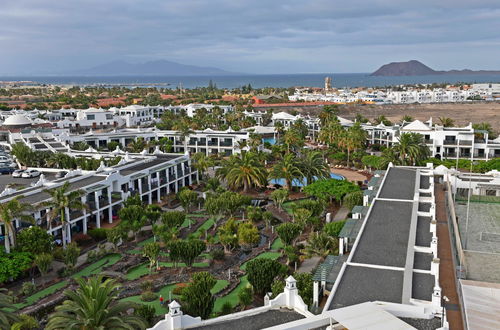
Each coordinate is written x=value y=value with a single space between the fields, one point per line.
x=461 y=113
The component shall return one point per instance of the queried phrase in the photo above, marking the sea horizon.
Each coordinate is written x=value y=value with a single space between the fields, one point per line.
x=339 y=80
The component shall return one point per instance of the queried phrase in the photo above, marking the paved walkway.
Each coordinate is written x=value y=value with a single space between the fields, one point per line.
x=341 y=214
x=309 y=265
x=350 y=175
x=446 y=266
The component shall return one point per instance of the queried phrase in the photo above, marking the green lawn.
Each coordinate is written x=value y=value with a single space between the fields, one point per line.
x=200 y=232
x=96 y=267
x=219 y=286
x=288 y=207
x=277 y=244
x=269 y=255
x=41 y=294
x=149 y=240
x=143 y=269
x=232 y=296
x=159 y=310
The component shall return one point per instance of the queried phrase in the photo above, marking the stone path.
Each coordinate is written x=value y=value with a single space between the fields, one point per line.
x=309 y=265
x=341 y=214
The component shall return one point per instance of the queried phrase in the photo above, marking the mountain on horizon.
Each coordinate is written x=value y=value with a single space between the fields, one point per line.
x=150 y=68
x=416 y=68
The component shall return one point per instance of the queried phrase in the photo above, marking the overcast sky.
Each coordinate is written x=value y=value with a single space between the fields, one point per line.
x=255 y=36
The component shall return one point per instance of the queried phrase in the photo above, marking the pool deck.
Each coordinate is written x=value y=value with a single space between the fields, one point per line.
x=350 y=175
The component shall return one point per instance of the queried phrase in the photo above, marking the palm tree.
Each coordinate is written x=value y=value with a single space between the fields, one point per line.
x=330 y=133
x=411 y=148
x=201 y=163
x=61 y=203
x=244 y=170
x=446 y=121
x=287 y=168
x=137 y=145
x=407 y=119
x=94 y=305
x=9 y=212
x=320 y=244
x=313 y=165
x=352 y=139
x=7 y=318
x=184 y=130
x=382 y=120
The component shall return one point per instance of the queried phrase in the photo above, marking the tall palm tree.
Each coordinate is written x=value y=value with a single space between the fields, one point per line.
x=287 y=168
x=9 y=212
x=331 y=133
x=352 y=139
x=382 y=120
x=7 y=318
x=446 y=121
x=244 y=170
x=313 y=165
x=184 y=130
x=201 y=162
x=137 y=145
x=411 y=148
x=94 y=305
x=62 y=201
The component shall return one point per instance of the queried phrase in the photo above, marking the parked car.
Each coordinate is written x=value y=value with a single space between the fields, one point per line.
x=17 y=173
x=6 y=170
x=61 y=174
x=30 y=174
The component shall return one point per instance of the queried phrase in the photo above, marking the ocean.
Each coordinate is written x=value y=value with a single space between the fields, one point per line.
x=339 y=80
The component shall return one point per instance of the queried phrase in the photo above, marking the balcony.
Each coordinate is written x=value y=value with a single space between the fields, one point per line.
x=145 y=187
x=226 y=144
x=450 y=154
x=450 y=142
x=116 y=196
x=212 y=143
x=465 y=143
x=428 y=141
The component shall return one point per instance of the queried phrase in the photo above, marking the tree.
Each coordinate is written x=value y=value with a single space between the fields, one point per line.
x=353 y=198
x=372 y=161
x=25 y=322
x=382 y=120
x=186 y=251
x=313 y=166
x=188 y=198
x=279 y=197
x=153 y=213
x=133 y=200
x=268 y=218
x=245 y=296
x=407 y=119
x=23 y=154
x=352 y=139
x=243 y=171
x=330 y=189
x=446 y=121
x=485 y=127
x=411 y=148
x=201 y=162
x=61 y=203
x=173 y=219
x=248 y=234
x=71 y=254
x=112 y=145
x=197 y=297
x=9 y=212
x=7 y=317
x=152 y=252
x=80 y=146
x=333 y=228
x=43 y=262
x=228 y=235
x=133 y=219
x=14 y=264
x=137 y=145
x=288 y=169
x=288 y=232
x=34 y=240
x=94 y=305
x=261 y=273
x=115 y=235
x=320 y=244
x=305 y=286
x=184 y=130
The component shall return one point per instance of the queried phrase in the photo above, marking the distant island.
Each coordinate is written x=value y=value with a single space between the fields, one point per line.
x=150 y=68
x=416 y=68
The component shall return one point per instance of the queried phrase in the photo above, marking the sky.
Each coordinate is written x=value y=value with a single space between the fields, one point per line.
x=252 y=36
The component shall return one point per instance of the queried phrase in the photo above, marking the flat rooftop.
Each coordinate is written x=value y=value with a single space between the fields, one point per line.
x=256 y=322
x=148 y=164
x=383 y=264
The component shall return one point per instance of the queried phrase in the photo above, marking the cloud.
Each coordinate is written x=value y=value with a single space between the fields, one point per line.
x=249 y=36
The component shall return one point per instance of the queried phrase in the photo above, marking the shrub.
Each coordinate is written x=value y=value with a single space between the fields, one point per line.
x=333 y=228
x=98 y=234
x=262 y=272
x=226 y=308
x=34 y=240
x=28 y=288
x=217 y=254
x=245 y=296
x=179 y=288
x=148 y=296
x=147 y=312
x=82 y=239
x=58 y=254
x=25 y=322
x=71 y=254
x=14 y=264
x=146 y=286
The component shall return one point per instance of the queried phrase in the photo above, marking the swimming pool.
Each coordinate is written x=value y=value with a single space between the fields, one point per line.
x=299 y=183
x=270 y=140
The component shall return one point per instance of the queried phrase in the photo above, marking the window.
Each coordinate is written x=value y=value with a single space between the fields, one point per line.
x=109 y=116
x=90 y=117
